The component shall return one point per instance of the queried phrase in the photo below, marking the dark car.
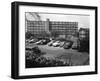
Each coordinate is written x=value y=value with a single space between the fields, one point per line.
x=68 y=45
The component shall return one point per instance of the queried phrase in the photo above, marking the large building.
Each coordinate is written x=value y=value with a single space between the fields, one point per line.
x=61 y=27
x=84 y=39
x=84 y=33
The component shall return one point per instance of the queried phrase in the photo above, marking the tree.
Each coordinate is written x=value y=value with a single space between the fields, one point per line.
x=43 y=34
x=54 y=34
x=28 y=35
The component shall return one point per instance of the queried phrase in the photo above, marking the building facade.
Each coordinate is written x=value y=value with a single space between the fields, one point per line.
x=84 y=33
x=62 y=28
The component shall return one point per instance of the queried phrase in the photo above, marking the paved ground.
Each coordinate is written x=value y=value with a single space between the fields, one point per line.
x=77 y=58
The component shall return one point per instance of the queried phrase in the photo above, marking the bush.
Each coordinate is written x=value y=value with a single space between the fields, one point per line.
x=35 y=60
x=60 y=39
x=84 y=46
x=28 y=35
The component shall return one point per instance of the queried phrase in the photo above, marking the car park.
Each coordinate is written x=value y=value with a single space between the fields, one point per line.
x=33 y=40
x=38 y=42
x=45 y=41
x=62 y=43
x=68 y=45
x=56 y=44
x=75 y=46
x=51 y=42
x=27 y=41
x=42 y=42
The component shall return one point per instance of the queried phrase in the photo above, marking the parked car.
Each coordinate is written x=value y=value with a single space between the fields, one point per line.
x=75 y=46
x=68 y=45
x=38 y=42
x=51 y=42
x=42 y=42
x=56 y=44
x=45 y=41
x=33 y=40
x=27 y=40
x=62 y=43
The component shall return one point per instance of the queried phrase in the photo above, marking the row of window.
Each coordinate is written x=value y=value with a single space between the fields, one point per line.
x=52 y=27
x=31 y=28
x=42 y=26
x=52 y=23
x=32 y=24
x=63 y=24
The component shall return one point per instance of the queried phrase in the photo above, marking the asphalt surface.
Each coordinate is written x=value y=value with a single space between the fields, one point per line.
x=77 y=58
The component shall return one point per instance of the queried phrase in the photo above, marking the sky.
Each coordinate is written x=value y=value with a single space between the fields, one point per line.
x=83 y=20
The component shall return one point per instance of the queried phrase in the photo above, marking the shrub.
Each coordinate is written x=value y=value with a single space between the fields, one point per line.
x=28 y=35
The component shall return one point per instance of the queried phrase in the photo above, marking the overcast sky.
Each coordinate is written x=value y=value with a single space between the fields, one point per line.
x=83 y=20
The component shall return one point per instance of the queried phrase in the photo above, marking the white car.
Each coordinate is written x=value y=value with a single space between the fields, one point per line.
x=50 y=43
x=55 y=44
x=38 y=42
